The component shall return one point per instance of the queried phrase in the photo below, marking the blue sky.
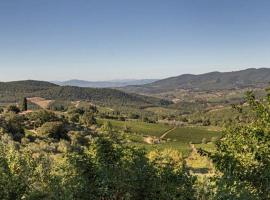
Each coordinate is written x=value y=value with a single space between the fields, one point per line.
x=113 y=39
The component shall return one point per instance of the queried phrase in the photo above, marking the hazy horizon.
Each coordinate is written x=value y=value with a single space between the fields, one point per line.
x=128 y=79
x=153 y=39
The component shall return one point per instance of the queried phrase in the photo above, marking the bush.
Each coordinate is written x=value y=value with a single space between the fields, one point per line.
x=13 y=108
x=74 y=117
x=54 y=130
x=12 y=124
x=41 y=117
x=107 y=127
x=206 y=122
x=88 y=119
x=204 y=141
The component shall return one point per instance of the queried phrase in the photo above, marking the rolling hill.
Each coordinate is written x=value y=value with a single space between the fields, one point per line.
x=104 y=84
x=207 y=82
x=14 y=91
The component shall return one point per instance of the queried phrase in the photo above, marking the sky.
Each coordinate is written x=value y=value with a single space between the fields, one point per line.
x=130 y=39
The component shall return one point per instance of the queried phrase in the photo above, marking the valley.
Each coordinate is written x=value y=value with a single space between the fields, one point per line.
x=182 y=126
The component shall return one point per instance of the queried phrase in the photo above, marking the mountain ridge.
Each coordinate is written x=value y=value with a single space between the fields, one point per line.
x=251 y=77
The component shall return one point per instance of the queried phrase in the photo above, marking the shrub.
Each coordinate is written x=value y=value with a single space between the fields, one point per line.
x=204 y=141
x=12 y=124
x=88 y=119
x=54 y=130
x=13 y=108
x=41 y=117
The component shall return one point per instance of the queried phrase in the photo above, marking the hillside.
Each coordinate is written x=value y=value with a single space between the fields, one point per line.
x=104 y=84
x=207 y=82
x=14 y=91
x=25 y=86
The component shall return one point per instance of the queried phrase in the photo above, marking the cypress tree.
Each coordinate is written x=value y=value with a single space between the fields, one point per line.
x=24 y=104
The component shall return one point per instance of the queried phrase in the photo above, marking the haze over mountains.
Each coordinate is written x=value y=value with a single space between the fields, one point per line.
x=139 y=95
x=104 y=84
x=251 y=77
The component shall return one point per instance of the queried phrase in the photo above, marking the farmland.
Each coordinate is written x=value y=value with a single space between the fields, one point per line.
x=178 y=138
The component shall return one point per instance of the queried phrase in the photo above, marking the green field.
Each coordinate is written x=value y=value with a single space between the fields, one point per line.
x=191 y=134
x=179 y=138
x=140 y=128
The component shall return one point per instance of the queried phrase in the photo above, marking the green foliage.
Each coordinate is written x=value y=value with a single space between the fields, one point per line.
x=107 y=127
x=59 y=105
x=15 y=91
x=42 y=116
x=24 y=104
x=54 y=130
x=11 y=124
x=13 y=108
x=74 y=117
x=106 y=169
x=15 y=171
x=139 y=127
x=242 y=156
x=192 y=134
x=88 y=119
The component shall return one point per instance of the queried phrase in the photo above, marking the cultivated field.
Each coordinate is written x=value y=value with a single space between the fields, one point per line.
x=162 y=136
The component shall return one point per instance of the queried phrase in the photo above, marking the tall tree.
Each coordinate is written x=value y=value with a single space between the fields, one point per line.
x=24 y=104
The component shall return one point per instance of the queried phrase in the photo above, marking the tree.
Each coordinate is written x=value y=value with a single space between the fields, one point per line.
x=242 y=155
x=24 y=104
x=54 y=130
x=12 y=125
x=108 y=169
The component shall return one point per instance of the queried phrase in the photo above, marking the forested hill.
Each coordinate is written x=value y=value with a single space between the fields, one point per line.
x=28 y=86
x=210 y=81
x=14 y=91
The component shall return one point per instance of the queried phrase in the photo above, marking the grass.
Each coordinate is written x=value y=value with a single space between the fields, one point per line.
x=210 y=147
x=191 y=134
x=161 y=110
x=137 y=127
x=178 y=139
x=184 y=148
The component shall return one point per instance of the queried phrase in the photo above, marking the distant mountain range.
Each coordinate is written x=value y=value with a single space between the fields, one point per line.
x=251 y=77
x=104 y=84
